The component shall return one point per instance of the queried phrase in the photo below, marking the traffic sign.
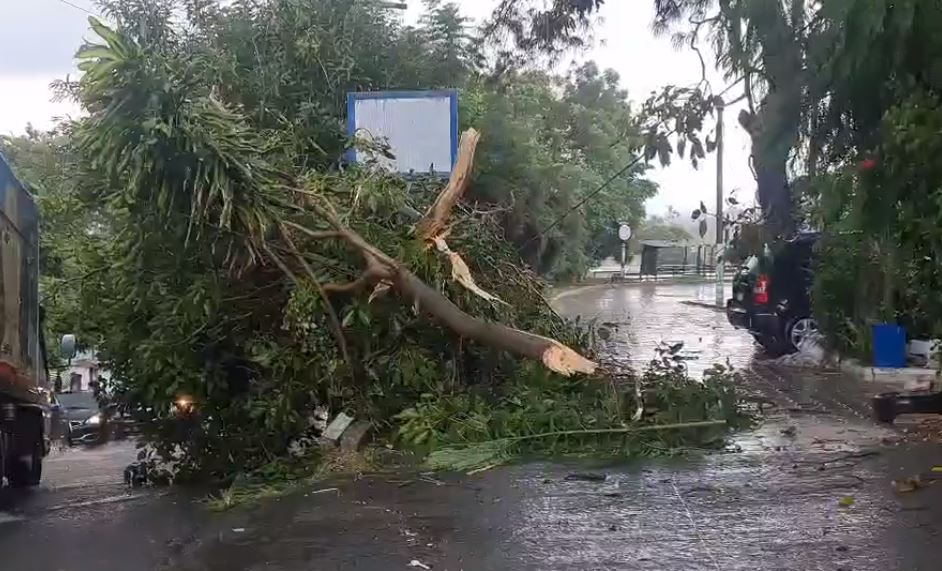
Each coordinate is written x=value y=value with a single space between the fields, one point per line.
x=624 y=232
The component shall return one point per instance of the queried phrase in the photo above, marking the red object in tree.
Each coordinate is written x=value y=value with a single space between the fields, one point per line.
x=868 y=164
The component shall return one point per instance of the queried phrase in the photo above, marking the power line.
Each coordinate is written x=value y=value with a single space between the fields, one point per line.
x=587 y=197
x=77 y=7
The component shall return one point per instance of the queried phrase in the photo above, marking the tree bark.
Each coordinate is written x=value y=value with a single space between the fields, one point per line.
x=775 y=126
x=552 y=353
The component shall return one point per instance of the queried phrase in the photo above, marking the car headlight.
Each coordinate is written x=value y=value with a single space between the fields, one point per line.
x=94 y=420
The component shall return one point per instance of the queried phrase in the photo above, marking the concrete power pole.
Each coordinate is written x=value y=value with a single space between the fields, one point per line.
x=720 y=239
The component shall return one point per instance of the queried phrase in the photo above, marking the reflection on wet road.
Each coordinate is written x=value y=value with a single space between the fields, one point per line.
x=810 y=489
x=643 y=315
x=83 y=518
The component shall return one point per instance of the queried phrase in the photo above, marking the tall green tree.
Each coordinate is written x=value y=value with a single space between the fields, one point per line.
x=549 y=142
x=817 y=77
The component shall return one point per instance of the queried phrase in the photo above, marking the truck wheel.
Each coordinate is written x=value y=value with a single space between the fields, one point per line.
x=25 y=466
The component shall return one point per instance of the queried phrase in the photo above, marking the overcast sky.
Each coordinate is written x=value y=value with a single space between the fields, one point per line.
x=40 y=37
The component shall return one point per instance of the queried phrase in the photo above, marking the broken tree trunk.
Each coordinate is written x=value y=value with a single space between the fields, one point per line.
x=556 y=356
x=382 y=269
x=433 y=228
x=435 y=222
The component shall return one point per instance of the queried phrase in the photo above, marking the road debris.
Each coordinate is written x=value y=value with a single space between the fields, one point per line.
x=909 y=485
x=419 y=564
x=323 y=491
x=846 y=501
x=482 y=469
x=586 y=477
x=335 y=429
x=431 y=480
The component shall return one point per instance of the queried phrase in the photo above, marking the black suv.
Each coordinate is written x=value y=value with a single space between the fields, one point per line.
x=771 y=295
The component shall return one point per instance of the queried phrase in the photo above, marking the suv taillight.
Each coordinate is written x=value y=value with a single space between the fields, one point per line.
x=760 y=293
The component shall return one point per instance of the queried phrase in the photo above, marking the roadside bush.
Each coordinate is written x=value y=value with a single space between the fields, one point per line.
x=879 y=258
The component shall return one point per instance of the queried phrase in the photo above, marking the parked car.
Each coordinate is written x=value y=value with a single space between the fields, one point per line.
x=772 y=295
x=84 y=416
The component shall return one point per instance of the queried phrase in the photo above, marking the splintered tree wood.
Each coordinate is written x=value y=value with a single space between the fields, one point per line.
x=435 y=222
x=461 y=273
x=434 y=226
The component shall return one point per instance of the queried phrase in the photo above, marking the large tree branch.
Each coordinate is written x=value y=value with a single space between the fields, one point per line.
x=380 y=267
x=433 y=228
x=332 y=317
x=372 y=274
x=552 y=353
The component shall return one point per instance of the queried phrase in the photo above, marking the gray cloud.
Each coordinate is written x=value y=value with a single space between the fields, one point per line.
x=39 y=37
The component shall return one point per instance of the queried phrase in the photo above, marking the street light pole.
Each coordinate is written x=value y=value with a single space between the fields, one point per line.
x=720 y=239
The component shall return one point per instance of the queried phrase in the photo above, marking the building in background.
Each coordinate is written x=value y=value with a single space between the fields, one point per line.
x=82 y=372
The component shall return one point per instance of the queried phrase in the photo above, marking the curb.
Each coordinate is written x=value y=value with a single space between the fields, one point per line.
x=907 y=377
x=703 y=305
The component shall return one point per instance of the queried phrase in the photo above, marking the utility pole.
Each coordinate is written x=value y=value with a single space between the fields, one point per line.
x=720 y=239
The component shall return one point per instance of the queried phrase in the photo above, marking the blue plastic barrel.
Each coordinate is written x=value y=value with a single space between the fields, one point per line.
x=889 y=346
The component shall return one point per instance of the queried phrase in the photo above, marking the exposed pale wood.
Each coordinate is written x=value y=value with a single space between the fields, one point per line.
x=435 y=222
x=461 y=273
x=556 y=356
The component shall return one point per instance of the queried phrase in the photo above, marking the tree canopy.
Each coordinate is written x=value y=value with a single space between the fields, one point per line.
x=817 y=78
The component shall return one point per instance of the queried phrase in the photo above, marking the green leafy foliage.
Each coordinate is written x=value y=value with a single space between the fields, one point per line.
x=878 y=261
x=524 y=29
x=658 y=411
x=203 y=141
x=550 y=156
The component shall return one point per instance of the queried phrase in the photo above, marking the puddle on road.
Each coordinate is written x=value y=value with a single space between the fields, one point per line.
x=651 y=313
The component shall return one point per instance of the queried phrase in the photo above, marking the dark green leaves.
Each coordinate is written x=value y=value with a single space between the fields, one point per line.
x=679 y=114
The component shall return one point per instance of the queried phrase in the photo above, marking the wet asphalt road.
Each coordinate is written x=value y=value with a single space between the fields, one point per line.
x=83 y=517
x=774 y=505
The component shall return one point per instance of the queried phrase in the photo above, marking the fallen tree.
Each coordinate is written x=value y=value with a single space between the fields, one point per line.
x=432 y=229
x=239 y=279
x=232 y=267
